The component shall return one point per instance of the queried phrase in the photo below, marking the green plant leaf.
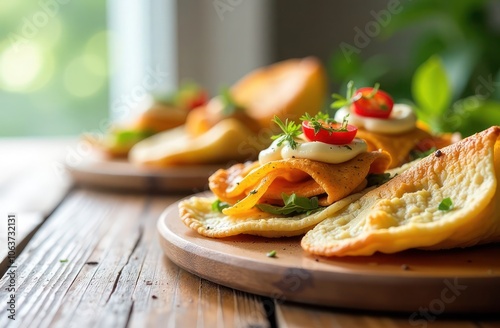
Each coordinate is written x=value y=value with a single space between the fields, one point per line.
x=293 y=205
x=475 y=119
x=431 y=88
x=218 y=205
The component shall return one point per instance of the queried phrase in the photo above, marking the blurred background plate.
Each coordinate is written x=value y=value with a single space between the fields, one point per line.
x=122 y=175
x=460 y=280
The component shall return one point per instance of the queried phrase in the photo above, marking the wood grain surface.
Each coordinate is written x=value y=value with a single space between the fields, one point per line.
x=32 y=183
x=96 y=261
x=119 y=174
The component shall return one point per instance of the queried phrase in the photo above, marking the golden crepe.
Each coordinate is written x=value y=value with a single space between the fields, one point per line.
x=285 y=89
x=197 y=214
x=210 y=147
x=245 y=186
x=399 y=146
x=449 y=199
x=153 y=115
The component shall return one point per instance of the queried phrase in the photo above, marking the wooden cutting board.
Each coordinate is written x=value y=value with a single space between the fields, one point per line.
x=120 y=174
x=461 y=280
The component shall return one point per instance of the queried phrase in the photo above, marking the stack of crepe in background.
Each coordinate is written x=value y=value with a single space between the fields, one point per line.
x=212 y=134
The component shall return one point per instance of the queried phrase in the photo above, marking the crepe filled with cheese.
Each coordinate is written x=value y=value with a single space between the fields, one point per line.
x=246 y=186
x=449 y=199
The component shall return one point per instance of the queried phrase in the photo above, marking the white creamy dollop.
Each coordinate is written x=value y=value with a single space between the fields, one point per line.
x=402 y=119
x=314 y=150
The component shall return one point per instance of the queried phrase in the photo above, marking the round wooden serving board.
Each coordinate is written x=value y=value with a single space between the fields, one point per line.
x=461 y=280
x=121 y=174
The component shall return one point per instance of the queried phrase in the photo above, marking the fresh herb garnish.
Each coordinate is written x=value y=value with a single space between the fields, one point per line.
x=446 y=204
x=229 y=105
x=293 y=205
x=322 y=121
x=291 y=130
x=351 y=96
x=271 y=253
x=130 y=137
x=416 y=154
x=377 y=179
x=219 y=205
x=63 y=261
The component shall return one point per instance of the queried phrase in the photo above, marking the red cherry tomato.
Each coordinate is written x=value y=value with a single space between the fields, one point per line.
x=379 y=105
x=330 y=137
x=201 y=98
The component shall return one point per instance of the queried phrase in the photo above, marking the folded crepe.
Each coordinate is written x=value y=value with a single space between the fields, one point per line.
x=246 y=185
x=228 y=140
x=399 y=146
x=406 y=212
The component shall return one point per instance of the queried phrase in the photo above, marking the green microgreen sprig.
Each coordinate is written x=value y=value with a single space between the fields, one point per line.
x=351 y=96
x=322 y=121
x=291 y=130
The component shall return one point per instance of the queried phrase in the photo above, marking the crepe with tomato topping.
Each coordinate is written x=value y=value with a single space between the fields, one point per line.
x=244 y=187
x=400 y=146
x=449 y=199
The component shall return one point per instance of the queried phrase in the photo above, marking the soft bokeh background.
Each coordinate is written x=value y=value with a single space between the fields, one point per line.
x=67 y=65
x=53 y=66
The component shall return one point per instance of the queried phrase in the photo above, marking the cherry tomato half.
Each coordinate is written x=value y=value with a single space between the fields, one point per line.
x=379 y=105
x=200 y=99
x=330 y=137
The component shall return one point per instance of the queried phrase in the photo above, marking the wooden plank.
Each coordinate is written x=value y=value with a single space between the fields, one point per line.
x=115 y=274
x=290 y=315
x=32 y=184
x=168 y=296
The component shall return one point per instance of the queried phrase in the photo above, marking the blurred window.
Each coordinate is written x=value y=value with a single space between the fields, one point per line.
x=53 y=66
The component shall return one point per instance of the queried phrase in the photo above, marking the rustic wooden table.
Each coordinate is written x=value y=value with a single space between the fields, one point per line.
x=92 y=258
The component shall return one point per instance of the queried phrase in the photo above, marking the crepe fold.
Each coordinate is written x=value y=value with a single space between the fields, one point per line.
x=197 y=214
x=400 y=145
x=244 y=186
x=405 y=212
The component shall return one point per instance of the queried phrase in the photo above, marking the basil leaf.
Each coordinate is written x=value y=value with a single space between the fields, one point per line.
x=416 y=154
x=377 y=179
x=219 y=205
x=431 y=88
x=293 y=204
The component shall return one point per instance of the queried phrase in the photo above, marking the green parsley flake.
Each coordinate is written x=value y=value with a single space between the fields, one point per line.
x=219 y=205
x=446 y=204
x=271 y=254
x=63 y=261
